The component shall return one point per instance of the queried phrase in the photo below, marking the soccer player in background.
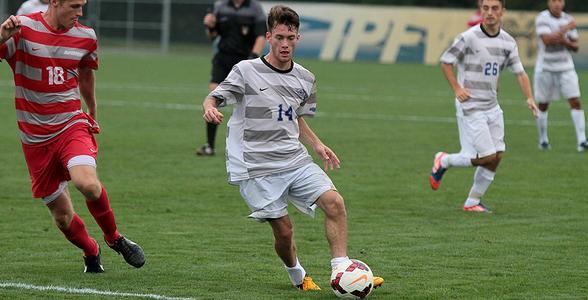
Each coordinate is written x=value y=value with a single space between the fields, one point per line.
x=272 y=95
x=53 y=58
x=480 y=54
x=32 y=6
x=476 y=17
x=554 y=69
x=240 y=27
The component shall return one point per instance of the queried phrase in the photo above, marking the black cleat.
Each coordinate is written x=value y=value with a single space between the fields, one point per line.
x=583 y=147
x=92 y=264
x=544 y=146
x=131 y=252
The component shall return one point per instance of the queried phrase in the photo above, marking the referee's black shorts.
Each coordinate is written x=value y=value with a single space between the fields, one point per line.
x=222 y=64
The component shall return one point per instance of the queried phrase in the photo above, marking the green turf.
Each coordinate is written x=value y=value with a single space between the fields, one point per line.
x=384 y=121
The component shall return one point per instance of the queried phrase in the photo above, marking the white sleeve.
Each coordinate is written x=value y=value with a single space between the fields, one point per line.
x=456 y=52
x=513 y=62
x=542 y=25
x=232 y=89
x=308 y=107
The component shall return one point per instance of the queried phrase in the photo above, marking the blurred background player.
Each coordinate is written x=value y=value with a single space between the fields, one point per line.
x=555 y=74
x=53 y=58
x=33 y=6
x=479 y=54
x=240 y=28
x=476 y=17
x=265 y=156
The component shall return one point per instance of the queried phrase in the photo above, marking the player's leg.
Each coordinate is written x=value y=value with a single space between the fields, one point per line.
x=74 y=229
x=78 y=153
x=489 y=143
x=49 y=182
x=571 y=90
x=443 y=161
x=546 y=89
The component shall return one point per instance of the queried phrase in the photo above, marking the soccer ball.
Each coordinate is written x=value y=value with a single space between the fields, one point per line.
x=352 y=279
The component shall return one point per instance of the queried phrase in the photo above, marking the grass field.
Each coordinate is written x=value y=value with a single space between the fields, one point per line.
x=384 y=121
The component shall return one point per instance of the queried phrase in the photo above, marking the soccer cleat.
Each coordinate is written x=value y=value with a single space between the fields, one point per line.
x=378 y=281
x=477 y=208
x=544 y=146
x=205 y=150
x=437 y=171
x=583 y=147
x=92 y=264
x=308 y=284
x=131 y=252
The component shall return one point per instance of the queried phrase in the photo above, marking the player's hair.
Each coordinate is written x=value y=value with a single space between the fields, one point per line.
x=282 y=15
x=502 y=2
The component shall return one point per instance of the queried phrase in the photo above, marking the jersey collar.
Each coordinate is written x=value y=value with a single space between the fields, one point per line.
x=487 y=34
x=276 y=69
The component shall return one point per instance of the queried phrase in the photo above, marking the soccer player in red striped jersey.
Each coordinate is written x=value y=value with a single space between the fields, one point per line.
x=53 y=58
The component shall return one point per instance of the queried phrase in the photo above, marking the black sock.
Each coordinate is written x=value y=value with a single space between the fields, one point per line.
x=211 y=134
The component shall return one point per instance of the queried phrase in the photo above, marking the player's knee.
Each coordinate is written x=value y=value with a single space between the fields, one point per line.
x=284 y=234
x=575 y=103
x=62 y=219
x=90 y=188
x=334 y=205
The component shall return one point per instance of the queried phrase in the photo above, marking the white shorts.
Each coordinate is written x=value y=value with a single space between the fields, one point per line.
x=550 y=86
x=481 y=133
x=268 y=196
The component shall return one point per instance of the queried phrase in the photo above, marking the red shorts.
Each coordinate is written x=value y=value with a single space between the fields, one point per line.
x=47 y=163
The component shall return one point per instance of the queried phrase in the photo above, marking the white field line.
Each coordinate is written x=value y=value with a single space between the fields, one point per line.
x=353 y=116
x=84 y=291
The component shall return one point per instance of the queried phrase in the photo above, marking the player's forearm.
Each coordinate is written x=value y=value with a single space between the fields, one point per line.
x=450 y=76
x=211 y=33
x=209 y=102
x=258 y=46
x=572 y=45
x=87 y=90
x=525 y=85
x=307 y=135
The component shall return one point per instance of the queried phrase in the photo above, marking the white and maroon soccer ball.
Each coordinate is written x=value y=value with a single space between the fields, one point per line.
x=352 y=279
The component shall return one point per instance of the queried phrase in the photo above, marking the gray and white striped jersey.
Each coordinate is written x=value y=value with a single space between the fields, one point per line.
x=553 y=58
x=480 y=58
x=263 y=133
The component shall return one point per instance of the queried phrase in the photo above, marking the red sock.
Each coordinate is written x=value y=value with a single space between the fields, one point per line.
x=76 y=233
x=102 y=213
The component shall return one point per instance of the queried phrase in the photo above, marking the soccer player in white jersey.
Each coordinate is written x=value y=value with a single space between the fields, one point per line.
x=480 y=54
x=33 y=6
x=265 y=157
x=554 y=70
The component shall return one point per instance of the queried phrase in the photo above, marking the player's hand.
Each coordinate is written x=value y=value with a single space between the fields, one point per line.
x=533 y=107
x=329 y=158
x=9 y=27
x=210 y=20
x=569 y=26
x=212 y=115
x=462 y=94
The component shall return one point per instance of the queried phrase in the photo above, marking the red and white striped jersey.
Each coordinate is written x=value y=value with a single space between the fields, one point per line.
x=45 y=63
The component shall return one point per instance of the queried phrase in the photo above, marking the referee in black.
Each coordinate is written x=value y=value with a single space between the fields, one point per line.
x=240 y=26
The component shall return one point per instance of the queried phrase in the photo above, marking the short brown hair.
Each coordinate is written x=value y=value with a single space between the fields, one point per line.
x=502 y=2
x=282 y=15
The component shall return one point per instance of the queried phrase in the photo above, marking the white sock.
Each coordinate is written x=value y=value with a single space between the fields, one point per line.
x=542 y=126
x=335 y=261
x=579 y=124
x=456 y=160
x=482 y=180
x=296 y=273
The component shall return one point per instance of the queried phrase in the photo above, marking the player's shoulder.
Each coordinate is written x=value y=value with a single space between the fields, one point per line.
x=84 y=31
x=504 y=35
x=566 y=16
x=543 y=14
x=303 y=73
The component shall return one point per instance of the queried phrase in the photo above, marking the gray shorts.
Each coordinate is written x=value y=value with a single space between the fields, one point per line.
x=268 y=196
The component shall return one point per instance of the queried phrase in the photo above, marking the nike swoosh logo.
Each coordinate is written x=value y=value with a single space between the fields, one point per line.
x=261 y=90
x=362 y=277
x=35 y=49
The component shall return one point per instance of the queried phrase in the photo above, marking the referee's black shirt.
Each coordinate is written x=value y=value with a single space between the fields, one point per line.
x=238 y=28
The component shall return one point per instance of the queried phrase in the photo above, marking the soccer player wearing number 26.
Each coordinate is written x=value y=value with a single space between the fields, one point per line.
x=53 y=58
x=480 y=54
x=265 y=157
